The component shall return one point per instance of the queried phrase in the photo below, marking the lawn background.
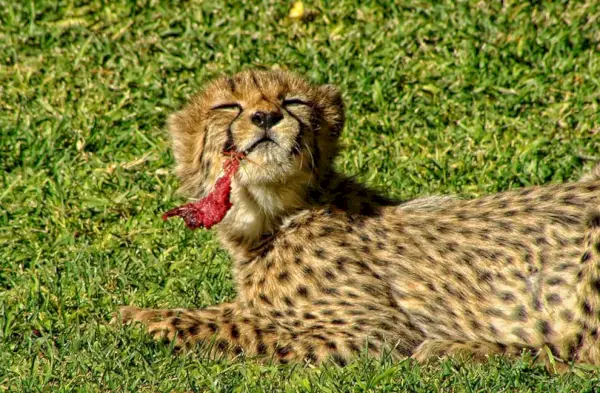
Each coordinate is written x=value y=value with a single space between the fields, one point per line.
x=467 y=97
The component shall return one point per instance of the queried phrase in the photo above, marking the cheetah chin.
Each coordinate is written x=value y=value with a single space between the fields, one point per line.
x=326 y=268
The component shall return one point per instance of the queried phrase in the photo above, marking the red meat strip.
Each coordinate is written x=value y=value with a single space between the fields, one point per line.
x=211 y=209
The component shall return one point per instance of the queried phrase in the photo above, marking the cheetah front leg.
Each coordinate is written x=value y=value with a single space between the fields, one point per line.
x=228 y=330
x=477 y=350
x=482 y=350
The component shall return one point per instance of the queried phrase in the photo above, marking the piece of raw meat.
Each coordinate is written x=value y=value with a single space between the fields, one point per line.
x=211 y=209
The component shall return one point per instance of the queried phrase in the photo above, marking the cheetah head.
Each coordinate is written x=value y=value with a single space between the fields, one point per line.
x=287 y=127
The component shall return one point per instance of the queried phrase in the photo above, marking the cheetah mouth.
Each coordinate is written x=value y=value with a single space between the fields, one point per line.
x=259 y=142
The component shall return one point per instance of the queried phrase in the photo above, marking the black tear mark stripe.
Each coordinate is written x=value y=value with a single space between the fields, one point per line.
x=300 y=136
x=317 y=151
x=230 y=143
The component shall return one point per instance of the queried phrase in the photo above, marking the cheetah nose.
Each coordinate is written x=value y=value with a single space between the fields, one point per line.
x=266 y=120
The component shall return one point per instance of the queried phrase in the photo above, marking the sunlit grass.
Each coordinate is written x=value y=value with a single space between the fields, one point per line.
x=442 y=97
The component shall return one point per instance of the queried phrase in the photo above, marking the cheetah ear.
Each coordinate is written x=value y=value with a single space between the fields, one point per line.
x=333 y=109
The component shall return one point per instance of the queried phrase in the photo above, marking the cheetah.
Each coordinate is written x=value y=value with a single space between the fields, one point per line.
x=326 y=268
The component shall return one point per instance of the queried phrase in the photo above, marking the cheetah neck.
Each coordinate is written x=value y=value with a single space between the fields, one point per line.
x=259 y=211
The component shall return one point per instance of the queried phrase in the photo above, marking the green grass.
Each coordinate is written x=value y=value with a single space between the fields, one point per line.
x=442 y=97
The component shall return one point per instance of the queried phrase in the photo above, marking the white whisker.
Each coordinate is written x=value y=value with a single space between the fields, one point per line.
x=312 y=158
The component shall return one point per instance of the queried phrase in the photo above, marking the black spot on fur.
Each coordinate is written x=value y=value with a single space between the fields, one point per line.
x=267 y=248
x=460 y=277
x=178 y=323
x=283 y=351
x=265 y=299
x=222 y=345
x=340 y=264
x=302 y=291
x=326 y=231
x=288 y=301
x=329 y=275
x=339 y=360
x=355 y=312
x=575 y=346
x=372 y=290
x=331 y=345
x=400 y=250
x=352 y=346
x=237 y=350
x=592 y=187
x=194 y=329
x=330 y=291
x=310 y=353
x=320 y=253
x=544 y=327
x=594 y=220
x=319 y=337
x=484 y=276
x=261 y=348
x=586 y=308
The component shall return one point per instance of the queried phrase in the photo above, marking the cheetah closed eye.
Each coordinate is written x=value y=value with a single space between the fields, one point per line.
x=326 y=268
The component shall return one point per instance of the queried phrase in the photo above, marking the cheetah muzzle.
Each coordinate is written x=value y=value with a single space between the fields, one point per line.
x=326 y=268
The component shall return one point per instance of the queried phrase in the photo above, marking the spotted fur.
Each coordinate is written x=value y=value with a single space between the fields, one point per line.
x=326 y=268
